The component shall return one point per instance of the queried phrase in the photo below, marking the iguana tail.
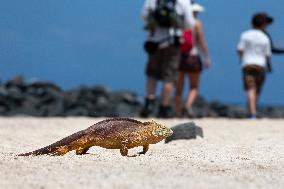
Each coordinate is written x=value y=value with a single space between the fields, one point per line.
x=60 y=147
x=49 y=150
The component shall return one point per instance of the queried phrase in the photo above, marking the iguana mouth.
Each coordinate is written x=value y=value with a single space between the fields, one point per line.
x=163 y=132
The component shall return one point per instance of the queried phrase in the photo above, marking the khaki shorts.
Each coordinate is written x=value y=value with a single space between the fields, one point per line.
x=254 y=77
x=163 y=64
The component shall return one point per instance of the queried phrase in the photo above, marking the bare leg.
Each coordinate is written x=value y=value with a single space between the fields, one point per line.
x=166 y=93
x=150 y=98
x=151 y=87
x=257 y=97
x=252 y=99
x=178 y=95
x=193 y=93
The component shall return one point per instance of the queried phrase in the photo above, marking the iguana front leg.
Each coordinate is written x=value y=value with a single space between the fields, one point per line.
x=124 y=150
x=145 y=149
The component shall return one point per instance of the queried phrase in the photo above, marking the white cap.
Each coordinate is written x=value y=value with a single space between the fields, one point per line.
x=197 y=7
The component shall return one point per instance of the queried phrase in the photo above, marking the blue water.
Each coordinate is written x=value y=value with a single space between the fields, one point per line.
x=92 y=42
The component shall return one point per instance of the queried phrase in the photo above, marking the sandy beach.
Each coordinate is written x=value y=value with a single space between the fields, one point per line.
x=232 y=154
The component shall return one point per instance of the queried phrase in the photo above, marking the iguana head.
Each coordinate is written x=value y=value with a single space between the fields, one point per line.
x=160 y=131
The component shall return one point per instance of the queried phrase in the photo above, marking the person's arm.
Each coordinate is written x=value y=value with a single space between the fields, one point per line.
x=241 y=47
x=240 y=53
x=268 y=52
x=275 y=50
x=201 y=41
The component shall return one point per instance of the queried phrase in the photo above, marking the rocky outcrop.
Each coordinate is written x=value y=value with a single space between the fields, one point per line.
x=46 y=99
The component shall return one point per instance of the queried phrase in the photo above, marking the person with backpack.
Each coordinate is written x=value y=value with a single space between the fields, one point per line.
x=191 y=67
x=254 y=50
x=165 y=21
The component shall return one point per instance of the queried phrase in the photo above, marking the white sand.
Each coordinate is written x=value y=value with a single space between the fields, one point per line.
x=232 y=154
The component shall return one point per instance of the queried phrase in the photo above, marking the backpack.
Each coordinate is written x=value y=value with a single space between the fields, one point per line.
x=165 y=14
x=187 y=42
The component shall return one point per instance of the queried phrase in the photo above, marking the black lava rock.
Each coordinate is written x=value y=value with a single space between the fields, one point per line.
x=185 y=131
x=44 y=99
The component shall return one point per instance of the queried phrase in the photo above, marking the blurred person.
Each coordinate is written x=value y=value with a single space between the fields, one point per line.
x=163 y=48
x=254 y=50
x=191 y=67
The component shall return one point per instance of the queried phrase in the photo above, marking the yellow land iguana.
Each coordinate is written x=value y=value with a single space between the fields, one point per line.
x=115 y=133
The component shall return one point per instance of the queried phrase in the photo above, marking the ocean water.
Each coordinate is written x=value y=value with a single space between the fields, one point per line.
x=93 y=42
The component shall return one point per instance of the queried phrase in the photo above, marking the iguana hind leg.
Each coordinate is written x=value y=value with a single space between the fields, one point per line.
x=82 y=151
x=124 y=151
x=60 y=151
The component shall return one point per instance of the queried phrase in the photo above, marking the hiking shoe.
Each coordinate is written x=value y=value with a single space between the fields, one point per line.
x=148 y=108
x=252 y=117
x=164 y=112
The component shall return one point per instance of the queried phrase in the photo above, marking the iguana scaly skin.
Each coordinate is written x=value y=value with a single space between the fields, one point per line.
x=116 y=133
